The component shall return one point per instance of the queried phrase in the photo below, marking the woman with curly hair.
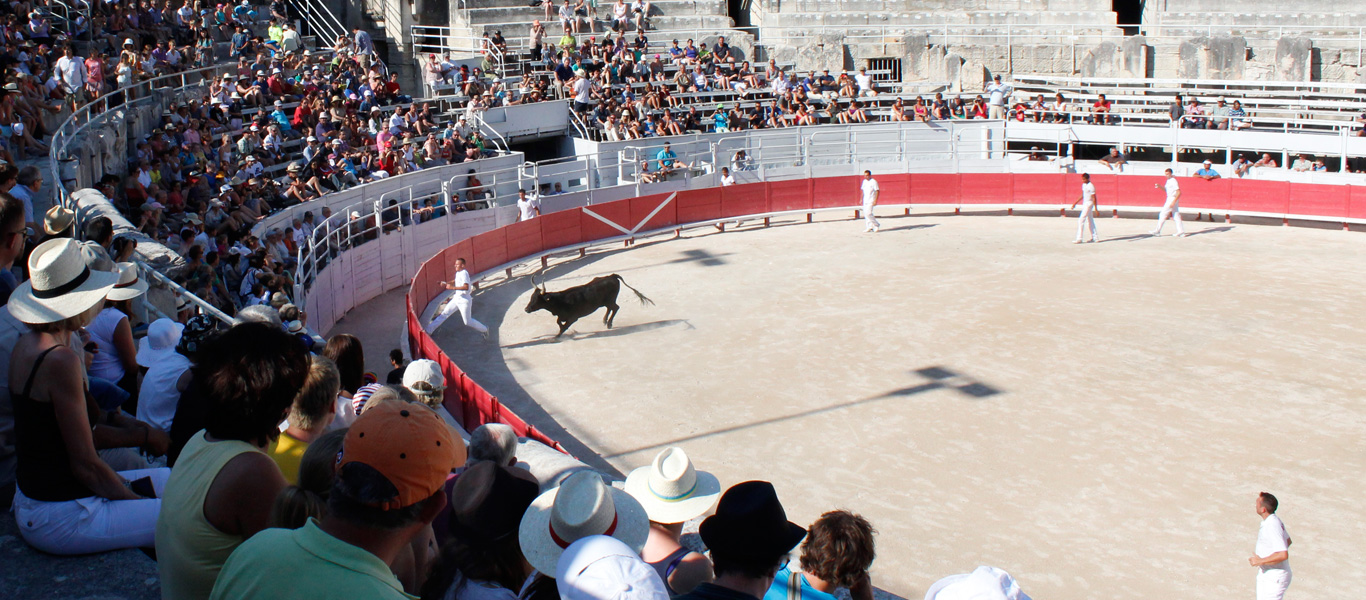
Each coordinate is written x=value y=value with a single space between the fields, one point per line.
x=837 y=552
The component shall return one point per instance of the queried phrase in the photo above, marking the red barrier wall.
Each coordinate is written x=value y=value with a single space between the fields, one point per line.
x=474 y=406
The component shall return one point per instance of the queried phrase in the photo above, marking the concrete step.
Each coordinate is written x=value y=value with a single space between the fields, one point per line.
x=938 y=6
x=705 y=7
x=1287 y=6
x=1061 y=20
x=523 y=13
x=1264 y=19
x=516 y=33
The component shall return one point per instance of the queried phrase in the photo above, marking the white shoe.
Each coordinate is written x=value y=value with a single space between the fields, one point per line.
x=1076 y=241
x=1154 y=233
x=876 y=229
x=1182 y=234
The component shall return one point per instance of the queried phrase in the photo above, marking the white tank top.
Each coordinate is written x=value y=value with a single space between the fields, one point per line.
x=106 y=364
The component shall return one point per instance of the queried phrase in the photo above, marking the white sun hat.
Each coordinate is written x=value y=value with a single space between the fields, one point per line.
x=984 y=583
x=581 y=506
x=130 y=286
x=162 y=337
x=61 y=286
x=599 y=567
x=671 y=490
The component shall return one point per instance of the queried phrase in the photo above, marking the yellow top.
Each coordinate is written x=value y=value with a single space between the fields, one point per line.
x=288 y=453
x=190 y=550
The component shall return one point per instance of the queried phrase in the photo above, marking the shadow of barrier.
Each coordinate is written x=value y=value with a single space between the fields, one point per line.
x=575 y=229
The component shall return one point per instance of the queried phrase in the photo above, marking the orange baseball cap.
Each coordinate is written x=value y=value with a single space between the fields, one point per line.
x=409 y=445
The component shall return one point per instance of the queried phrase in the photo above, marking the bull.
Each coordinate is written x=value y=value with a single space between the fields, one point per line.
x=577 y=302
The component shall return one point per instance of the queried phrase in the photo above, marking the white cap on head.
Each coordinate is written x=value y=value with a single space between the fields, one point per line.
x=601 y=567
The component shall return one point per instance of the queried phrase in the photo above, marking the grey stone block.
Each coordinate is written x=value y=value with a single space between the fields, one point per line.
x=1293 y=56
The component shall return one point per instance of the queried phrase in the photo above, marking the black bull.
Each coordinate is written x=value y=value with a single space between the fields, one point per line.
x=575 y=303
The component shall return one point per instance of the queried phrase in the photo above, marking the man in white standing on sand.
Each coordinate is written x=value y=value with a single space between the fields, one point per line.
x=1273 y=551
x=461 y=300
x=1088 y=208
x=529 y=205
x=870 y=194
x=1172 y=208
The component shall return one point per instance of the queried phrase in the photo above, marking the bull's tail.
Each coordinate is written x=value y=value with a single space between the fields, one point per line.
x=643 y=299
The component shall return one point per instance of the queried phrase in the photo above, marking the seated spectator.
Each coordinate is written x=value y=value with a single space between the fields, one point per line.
x=495 y=443
x=596 y=567
x=377 y=505
x=1218 y=118
x=1360 y=121
x=1237 y=117
x=1266 y=161
x=1177 y=111
x=190 y=409
x=1241 y=166
x=1101 y=112
x=749 y=538
x=1195 y=115
x=298 y=503
x=1058 y=109
x=395 y=376
x=222 y=487
x=1114 y=160
x=672 y=493
x=482 y=556
x=837 y=553
x=345 y=351
x=13 y=236
x=1207 y=172
x=1035 y=154
x=310 y=415
x=581 y=506
x=115 y=354
x=69 y=500
x=167 y=373
x=1303 y=164
x=424 y=379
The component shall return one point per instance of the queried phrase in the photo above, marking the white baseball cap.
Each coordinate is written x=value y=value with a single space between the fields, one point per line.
x=424 y=371
x=600 y=567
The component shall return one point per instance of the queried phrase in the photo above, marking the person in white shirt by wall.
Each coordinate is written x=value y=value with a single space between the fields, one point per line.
x=1172 y=208
x=529 y=205
x=1272 y=556
x=1088 y=208
x=870 y=191
x=726 y=178
x=461 y=301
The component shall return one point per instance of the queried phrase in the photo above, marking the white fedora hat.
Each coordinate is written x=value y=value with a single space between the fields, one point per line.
x=60 y=285
x=671 y=490
x=130 y=285
x=581 y=506
x=162 y=337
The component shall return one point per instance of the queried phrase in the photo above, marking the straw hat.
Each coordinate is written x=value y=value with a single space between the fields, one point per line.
x=130 y=286
x=57 y=220
x=60 y=285
x=581 y=506
x=671 y=490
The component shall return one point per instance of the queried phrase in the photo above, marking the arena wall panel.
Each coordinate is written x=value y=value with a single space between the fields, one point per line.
x=1205 y=195
x=896 y=188
x=935 y=188
x=642 y=207
x=698 y=205
x=985 y=188
x=832 y=192
x=490 y=249
x=744 y=199
x=1356 y=202
x=1319 y=200
x=618 y=212
x=1138 y=190
x=524 y=238
x=1260 y=196
x=1040 y=189
x=559 y=229
x=792 y=194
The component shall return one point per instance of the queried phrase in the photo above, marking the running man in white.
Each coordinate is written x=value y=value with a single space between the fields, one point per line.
x=461 y=300
x=1088 y=208
x=870 y=194
x=1273 y=551
x=1172 y=208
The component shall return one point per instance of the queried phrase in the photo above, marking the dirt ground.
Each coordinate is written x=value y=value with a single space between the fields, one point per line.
x=1095 y=419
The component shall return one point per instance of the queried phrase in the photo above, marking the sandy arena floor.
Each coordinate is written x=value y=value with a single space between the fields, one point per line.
x=1094 y=419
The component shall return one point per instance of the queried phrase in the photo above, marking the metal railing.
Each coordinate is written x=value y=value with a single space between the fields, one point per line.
x=320 y=20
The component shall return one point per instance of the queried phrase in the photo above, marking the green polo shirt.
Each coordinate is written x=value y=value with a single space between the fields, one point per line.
x=304 y=563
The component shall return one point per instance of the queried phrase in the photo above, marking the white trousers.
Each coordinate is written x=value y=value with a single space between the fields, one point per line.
x=93 y=524
x=869 y=221
x=1272 y=583
x=1088 y=217
x=1171 y=209
x=466 y=308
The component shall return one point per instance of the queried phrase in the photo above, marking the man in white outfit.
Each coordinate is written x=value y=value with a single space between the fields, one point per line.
x=1172 y=208
x=1273 y=551
x=528 y=205
x=870 y=194
x=461 y=300
x=1088 y=208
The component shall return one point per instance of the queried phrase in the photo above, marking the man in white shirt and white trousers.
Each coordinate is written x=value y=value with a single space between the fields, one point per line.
x=1172 y=208
x=1273 y=551
x=461 y=300
x=870 y=194
x=1088 y=208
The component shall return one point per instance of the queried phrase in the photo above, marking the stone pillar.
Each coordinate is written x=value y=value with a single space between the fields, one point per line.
x=1128 y=59
x=1293 y=56
x=1213 y=58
